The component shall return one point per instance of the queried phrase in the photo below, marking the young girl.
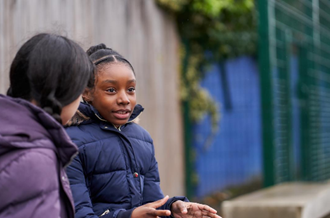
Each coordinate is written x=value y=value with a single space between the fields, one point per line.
x=116 y=173
x=47 y=78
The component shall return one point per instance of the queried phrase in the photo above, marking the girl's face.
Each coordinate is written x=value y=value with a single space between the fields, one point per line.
x=114 y=93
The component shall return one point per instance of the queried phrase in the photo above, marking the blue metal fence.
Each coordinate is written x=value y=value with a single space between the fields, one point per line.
x=234 y=155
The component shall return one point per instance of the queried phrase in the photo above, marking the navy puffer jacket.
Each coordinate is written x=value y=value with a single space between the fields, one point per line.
x=115 y=170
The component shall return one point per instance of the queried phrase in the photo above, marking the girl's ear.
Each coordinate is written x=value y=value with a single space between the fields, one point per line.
x=87 y=95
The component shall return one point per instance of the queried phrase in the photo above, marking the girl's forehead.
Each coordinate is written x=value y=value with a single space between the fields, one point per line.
x=114 y=66
x=116 y=70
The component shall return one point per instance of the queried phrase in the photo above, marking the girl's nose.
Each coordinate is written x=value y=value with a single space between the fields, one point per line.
x=123 y=99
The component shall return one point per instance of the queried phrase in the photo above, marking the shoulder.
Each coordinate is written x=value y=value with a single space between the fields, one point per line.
x=23 y=162
x=33 y=170
x=84 y=133
x=136 y=131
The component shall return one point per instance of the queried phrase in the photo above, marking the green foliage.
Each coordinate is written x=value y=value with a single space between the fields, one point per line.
x=198 y=98
x=222 y=28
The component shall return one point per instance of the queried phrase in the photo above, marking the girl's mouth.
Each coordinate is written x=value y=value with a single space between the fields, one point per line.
x=122 y=114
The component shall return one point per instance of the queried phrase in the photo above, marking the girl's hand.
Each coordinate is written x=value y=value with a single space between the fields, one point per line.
x=150 y=211
x=181 y=209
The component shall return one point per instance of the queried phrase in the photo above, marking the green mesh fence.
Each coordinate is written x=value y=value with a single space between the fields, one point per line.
x=295 y=29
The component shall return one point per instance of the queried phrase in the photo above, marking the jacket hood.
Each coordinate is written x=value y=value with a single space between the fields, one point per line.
x=22 y=124
x=86 y=113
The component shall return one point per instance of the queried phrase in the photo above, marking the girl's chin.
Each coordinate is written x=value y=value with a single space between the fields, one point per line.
x=122 y=122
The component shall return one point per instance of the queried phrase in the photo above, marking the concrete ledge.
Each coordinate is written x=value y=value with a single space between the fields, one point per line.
x=287 y=200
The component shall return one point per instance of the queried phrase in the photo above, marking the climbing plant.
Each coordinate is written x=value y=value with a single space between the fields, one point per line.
x=211 y=31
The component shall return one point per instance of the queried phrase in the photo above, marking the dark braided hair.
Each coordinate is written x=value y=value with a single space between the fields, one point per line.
x=51 y=70
x=101 y=55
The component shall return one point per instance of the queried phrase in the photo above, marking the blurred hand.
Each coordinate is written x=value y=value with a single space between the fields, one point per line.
x=150 y=211
x=181 y=209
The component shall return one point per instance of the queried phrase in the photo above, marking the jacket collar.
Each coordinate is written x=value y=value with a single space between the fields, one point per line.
x=86 y=113
x=23 y=122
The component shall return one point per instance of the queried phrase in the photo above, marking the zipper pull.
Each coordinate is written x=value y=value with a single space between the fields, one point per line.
x=117 y=128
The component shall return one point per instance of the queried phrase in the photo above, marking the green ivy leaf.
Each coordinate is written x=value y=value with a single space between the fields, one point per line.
x=224 y=28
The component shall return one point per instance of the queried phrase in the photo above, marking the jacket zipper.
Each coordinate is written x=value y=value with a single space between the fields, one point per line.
x=107 y=211
x=117 y=127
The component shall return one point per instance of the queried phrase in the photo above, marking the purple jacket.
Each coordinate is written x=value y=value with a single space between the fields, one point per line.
x=34 y=149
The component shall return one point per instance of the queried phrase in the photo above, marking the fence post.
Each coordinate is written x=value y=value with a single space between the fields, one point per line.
x=265 y=70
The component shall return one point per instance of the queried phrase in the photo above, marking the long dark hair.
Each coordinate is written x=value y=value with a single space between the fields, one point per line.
x=51 y=70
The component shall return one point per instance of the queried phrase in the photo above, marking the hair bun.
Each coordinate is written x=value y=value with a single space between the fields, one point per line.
x=95 y=48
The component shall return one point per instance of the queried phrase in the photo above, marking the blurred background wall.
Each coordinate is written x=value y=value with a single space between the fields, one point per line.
x=140 y=31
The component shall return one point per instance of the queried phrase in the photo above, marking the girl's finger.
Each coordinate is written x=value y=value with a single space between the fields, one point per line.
x=182 y=207
x=214 y=216
x=209 y=214
x=158 y=203
x=160 y=213
x=208 y=208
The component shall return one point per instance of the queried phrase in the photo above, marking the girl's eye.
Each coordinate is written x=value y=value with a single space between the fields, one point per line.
x=132 y=89
x=111 y=90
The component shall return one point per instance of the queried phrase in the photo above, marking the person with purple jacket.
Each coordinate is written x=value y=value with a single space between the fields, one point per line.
x=47 y=77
